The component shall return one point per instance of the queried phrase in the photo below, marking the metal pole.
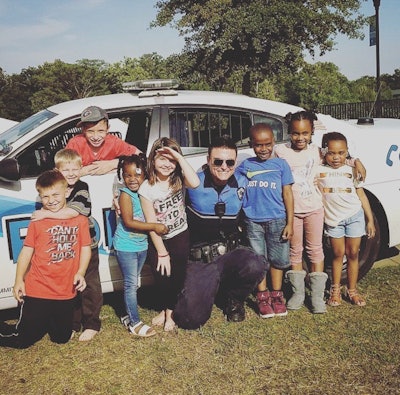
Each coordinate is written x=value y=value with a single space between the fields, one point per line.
x=377 y=3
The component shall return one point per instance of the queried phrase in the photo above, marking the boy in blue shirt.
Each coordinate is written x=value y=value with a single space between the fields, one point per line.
x=268 y=207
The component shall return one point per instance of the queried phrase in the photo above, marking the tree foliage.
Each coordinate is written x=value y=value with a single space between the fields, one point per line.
x=392 y=80
x=317 y=84
x=309 y=86
x=149 y=66
x=51 y=83
x=364 y=89
x=16 y=95
x=59 y=81
x=256 y=38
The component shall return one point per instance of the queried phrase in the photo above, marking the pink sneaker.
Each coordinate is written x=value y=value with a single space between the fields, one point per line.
x=278 y=303
x=264 y=304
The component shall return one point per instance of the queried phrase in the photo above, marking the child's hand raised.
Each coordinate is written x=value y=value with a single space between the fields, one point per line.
x=169 y=153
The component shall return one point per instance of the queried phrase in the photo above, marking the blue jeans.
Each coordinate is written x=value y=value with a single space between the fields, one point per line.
x=131 y=264
x=265 y=239
x=353 y=226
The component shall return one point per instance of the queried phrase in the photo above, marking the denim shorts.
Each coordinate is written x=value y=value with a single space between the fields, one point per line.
x=353 y=226
x=265 y=239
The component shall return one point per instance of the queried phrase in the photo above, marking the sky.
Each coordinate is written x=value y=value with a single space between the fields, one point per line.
x=36 y=31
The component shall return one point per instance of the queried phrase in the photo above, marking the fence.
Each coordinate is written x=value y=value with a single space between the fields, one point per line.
x=388 y=109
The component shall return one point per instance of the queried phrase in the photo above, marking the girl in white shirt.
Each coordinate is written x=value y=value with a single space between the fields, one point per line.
x=346 y=207
x=162 y=197
x=304 y=158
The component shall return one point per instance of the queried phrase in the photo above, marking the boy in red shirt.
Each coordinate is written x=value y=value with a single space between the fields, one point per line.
x=87 y=310
x=50 y=269
x=98 y=149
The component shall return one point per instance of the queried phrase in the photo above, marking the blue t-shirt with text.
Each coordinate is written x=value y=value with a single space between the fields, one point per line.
x=263 y=200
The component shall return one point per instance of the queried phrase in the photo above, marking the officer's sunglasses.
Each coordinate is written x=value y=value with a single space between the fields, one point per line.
x=219 y=162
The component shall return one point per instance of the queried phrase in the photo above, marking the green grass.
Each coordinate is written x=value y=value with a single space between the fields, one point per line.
x=349 y=350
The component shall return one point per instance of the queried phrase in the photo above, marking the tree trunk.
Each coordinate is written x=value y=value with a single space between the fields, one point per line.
x=246 y=83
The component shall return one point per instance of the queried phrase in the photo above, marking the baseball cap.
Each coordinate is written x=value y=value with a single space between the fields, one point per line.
x=92 y=114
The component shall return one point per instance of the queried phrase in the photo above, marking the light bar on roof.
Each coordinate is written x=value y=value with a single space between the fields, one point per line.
x=143 y=85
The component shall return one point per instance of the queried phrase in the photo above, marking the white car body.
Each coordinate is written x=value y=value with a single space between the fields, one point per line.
x=197 y=115
x=6 y=124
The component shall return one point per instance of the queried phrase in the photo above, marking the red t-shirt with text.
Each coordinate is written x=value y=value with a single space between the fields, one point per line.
x=55 y=261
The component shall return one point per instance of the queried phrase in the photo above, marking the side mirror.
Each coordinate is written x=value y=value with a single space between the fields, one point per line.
x=9 y=170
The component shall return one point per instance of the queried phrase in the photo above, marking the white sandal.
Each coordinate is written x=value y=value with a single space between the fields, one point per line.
x=141 y=329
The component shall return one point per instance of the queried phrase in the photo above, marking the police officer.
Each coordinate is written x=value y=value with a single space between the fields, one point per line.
x=219 y=267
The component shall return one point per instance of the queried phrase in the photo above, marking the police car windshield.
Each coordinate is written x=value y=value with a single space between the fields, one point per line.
x=11 y=135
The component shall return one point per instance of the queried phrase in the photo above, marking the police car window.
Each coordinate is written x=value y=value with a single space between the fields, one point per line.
x=139 y=123
x=20 y=129
x=195 y=127
x=39 y=155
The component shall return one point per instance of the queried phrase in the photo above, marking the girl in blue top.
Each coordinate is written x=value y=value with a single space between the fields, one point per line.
x=130 y=239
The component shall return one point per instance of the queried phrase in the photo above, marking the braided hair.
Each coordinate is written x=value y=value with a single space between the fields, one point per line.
x=299 y=116
x=139 y=160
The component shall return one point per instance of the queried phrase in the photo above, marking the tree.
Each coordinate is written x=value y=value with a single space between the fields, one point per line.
x=3 y=84
x=363 y=89
x=393 y=81
x=148 y=66
x=16 y=94
x=317 y=84
x=37 y=88
x=256 y=38
x=58 y=81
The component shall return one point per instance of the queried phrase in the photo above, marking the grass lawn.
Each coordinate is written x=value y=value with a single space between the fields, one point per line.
x=349 y=350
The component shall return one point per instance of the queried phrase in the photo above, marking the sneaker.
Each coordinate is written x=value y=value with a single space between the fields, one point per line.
x=125 y=321
x=278 y=303
x=264 y=304
x=234 y=311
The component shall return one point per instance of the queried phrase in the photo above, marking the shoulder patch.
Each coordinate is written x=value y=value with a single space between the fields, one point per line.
x=240 y=193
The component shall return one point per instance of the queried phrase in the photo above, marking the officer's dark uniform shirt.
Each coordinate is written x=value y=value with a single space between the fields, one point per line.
x=204 y=224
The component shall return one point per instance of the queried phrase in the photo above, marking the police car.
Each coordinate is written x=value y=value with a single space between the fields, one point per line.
x=148 y=110
x=6 y=124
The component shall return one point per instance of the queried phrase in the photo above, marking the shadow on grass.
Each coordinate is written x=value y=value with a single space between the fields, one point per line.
x=389 y=253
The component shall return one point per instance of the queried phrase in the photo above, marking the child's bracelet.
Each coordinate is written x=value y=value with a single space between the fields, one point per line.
x=163 y=256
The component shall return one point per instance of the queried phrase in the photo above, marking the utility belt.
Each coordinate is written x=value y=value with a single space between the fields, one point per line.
x=207 y=252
